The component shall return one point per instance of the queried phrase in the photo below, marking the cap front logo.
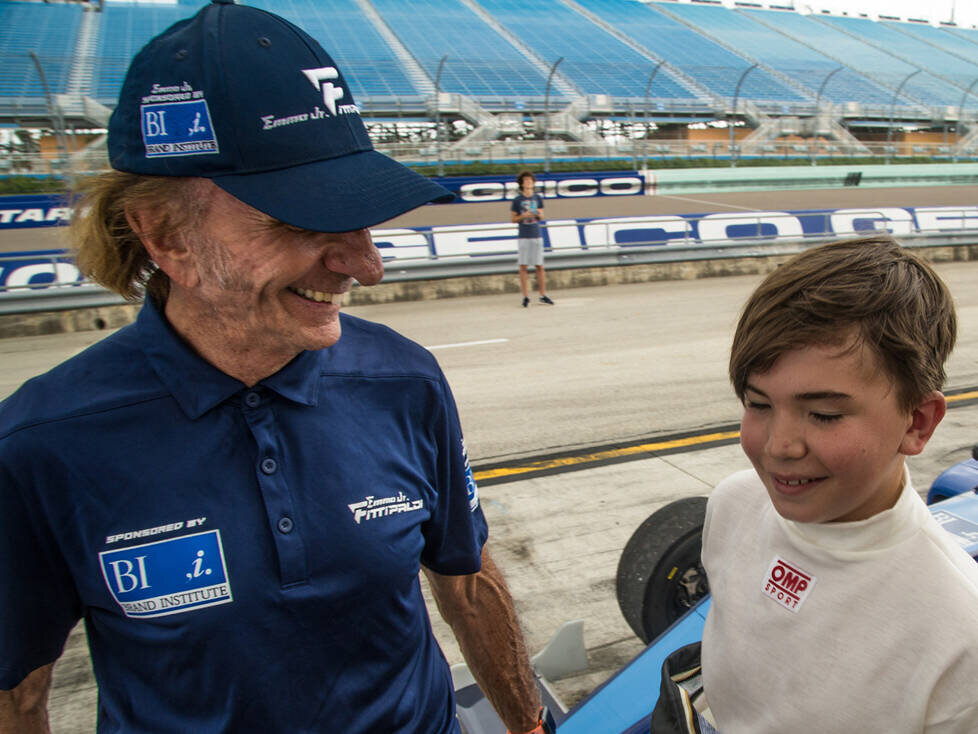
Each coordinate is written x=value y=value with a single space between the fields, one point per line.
x=331 y=92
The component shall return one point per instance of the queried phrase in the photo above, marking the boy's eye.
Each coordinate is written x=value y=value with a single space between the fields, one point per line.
x=826 y=417
x=755 y=405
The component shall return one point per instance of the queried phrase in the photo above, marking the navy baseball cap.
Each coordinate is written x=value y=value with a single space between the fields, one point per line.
x=247 y=99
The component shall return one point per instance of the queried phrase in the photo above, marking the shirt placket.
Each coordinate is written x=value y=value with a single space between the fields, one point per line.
x=272 y=476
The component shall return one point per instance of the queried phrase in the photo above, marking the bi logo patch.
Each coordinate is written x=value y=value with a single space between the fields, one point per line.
x=168 y=576
x=178 y=128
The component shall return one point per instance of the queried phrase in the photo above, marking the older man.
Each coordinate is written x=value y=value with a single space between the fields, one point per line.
x=237 y=500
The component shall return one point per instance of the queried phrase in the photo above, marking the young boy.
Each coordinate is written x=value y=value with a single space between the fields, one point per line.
x=839 y=604
x=527 y=211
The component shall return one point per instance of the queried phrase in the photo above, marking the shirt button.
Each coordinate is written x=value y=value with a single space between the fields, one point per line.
x=252 y=400
x=268 y=466
x=285 y=525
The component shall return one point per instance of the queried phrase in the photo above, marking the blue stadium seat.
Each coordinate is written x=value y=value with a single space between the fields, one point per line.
x=594 y=60
x=918 y=53
x=480 y=62
x=51 y=32
x=706 y=61
x=871 y=62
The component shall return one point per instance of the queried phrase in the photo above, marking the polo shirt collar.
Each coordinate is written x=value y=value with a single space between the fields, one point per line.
x=197 y=385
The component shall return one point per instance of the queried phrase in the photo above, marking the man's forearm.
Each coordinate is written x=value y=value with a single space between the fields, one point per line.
x=480 y=611
x=24 y=709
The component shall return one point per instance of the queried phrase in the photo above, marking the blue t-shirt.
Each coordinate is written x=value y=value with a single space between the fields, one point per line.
x=246 y=560
x=522 y=204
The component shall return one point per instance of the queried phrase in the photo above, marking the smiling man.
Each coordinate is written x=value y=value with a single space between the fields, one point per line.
x=238 y=492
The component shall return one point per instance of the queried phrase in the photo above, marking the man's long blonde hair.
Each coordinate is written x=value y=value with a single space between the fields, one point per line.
x=108 y=250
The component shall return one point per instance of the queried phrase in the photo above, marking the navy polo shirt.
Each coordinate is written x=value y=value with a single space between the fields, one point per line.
x=246 y=560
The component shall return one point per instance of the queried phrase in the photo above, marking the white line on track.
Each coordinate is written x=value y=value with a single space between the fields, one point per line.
x=467 y=344
x=710 y=203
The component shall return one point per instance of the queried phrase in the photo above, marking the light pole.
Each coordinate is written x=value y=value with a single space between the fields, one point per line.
x=546 y=118
x=57 y=118
x=818 y=98
x=441 y=65
x=733 y=158
x=889 y=130
x=645 y=140
x=960 y=108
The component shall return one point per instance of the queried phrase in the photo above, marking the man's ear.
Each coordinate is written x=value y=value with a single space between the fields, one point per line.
x=169 y=250
x=923 y=420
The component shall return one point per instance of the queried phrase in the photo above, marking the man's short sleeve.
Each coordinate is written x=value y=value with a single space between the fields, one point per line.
x=457 y=530
x=37 y=596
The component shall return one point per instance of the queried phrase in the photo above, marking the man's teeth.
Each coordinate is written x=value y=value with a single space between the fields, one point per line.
x=319 y=296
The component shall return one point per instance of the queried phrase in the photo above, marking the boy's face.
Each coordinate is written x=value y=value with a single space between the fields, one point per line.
x=825 y=432
x=527 y=184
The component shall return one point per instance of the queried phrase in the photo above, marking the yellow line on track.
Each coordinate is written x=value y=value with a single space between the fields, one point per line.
x=645 y=448
x=962 y=396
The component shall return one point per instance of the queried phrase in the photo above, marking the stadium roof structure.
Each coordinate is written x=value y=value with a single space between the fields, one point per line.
x=553 y=65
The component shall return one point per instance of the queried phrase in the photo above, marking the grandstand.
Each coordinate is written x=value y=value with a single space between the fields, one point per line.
x=456 y=79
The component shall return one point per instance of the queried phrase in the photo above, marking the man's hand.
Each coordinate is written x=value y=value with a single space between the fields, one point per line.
x=480 y=611
x=24 y=710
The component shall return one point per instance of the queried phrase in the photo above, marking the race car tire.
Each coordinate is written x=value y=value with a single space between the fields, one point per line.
x=659 y=572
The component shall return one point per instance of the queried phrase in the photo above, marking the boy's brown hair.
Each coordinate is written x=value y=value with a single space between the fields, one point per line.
x=871 y=288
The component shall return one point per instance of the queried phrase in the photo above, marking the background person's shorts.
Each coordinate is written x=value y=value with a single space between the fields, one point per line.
x=530 y=250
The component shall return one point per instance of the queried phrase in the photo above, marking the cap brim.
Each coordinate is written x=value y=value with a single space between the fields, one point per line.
x=342 y=194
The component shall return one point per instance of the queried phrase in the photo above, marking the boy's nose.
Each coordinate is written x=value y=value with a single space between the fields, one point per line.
x=785 y=440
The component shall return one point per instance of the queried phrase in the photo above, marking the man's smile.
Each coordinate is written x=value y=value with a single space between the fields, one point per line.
x=318 y=296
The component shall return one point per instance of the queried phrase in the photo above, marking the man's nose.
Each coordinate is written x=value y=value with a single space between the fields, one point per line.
x=354 y=254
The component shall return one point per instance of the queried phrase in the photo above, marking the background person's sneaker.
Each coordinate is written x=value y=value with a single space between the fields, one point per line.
x=544 y=299
x=526 y=301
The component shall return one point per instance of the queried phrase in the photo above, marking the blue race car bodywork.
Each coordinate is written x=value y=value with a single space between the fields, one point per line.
x=960 y=478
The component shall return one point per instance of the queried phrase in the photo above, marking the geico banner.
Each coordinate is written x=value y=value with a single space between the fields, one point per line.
x=672 y=230
x=564 y=235
x=38 y=270
x=552 y=186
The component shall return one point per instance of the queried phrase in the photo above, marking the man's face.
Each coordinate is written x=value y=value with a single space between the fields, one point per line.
x=273 y=285
x=824 y=431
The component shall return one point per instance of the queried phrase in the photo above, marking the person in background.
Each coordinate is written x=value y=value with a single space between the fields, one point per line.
x=526 y=210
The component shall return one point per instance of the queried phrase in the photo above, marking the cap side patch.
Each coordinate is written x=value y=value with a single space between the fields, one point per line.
x=178 y=129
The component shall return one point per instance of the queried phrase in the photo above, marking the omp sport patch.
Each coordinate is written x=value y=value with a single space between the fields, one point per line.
x=177 y=128
x=168 y=576
x=787 y=584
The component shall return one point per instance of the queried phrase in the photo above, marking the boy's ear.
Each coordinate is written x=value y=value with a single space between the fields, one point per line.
x=169 y=251
x=923 y=420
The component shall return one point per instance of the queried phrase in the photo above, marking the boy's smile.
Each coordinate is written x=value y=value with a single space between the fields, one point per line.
x=824 y=430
